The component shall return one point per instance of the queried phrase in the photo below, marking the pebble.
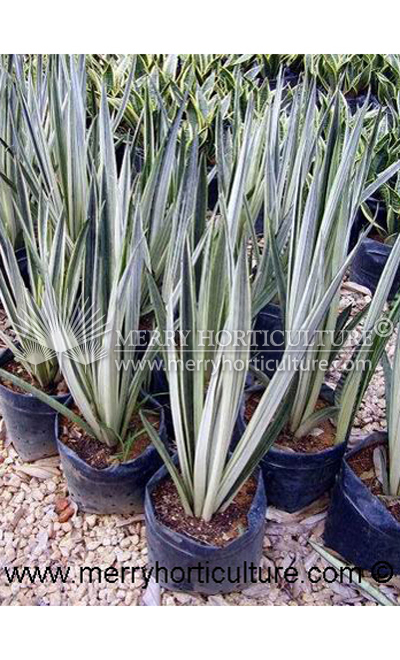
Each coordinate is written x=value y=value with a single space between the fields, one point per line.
x=65 y=515
x=60 y=504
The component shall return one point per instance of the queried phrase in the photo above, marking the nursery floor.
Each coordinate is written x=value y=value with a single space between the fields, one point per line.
x=38 y=528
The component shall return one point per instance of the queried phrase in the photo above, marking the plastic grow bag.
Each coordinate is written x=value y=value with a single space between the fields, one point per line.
x=213 y=193
x=294 y=480
x=29 y=422
x=159 y=390
x=355 y=102
x=115 y=489
x=377 y=210
x=368 y=264
x=268 y=339
x=291 y=79
x=172 y=555
x=358 y=525
x=259 y=223
x=22 y=261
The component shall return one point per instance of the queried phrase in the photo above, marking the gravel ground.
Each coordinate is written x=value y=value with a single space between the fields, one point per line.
x=39 y=526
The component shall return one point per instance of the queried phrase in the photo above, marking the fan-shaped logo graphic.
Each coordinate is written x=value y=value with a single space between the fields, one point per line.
x=45 y=333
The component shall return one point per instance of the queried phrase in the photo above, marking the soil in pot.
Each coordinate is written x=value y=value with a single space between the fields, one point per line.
x=98 y=455
x=220 y=530
x=111 y=480
x=188 y=554
x=361 y=524
x=298 y=471
x=29 y=421
x=17 y=369
x=307 y=444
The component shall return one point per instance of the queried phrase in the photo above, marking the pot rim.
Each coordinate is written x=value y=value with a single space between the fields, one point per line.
x=376 y=437
x=5 y=357
x=111 y=469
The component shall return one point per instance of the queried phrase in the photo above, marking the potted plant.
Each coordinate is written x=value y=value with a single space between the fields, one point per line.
x=306 y=457
x=107 y=457
x=29 y=354
x=194 y=516
x=363 y=522
x=213 y=479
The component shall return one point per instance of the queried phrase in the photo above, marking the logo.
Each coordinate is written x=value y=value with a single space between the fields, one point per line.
x=48 y=331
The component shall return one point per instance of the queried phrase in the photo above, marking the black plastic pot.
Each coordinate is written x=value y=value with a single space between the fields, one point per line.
x=22 y=261
x=159 y=390
x=213 y=193
x=355 y=102
x=377 y=210
x=157 y=384
x=29 y=422
x=137 y=161
x=116 y=489
x=291 y=79
x=294 y=480
x=259 y=223
x=268 y=339
x=181 y=563
x=368 y=264
x=358 y=525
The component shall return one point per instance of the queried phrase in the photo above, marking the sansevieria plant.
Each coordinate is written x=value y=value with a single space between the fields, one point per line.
x=205 y=405
x=205 y=389
x=87 y=298
x=318 y=250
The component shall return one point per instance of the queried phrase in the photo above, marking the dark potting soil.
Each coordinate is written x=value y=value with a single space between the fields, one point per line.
x=96 y=453
x=220 y=530
x=307 y=444
x=16 y=368
x=363 y=466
